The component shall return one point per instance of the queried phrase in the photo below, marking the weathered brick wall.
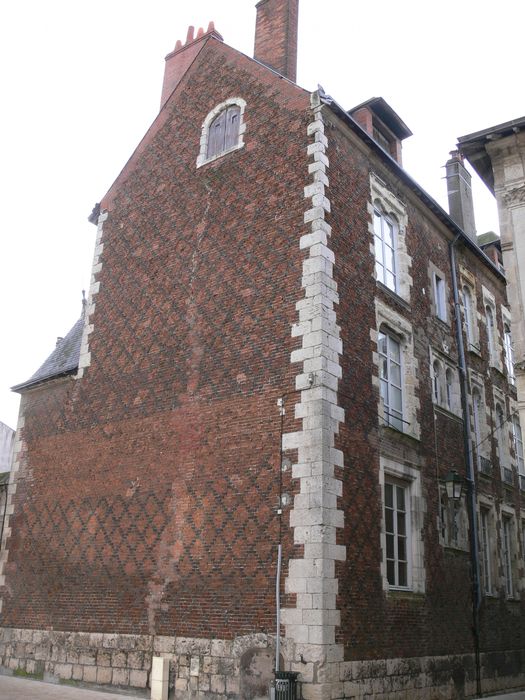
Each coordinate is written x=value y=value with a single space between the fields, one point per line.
x=375 y=624
x=147 y=503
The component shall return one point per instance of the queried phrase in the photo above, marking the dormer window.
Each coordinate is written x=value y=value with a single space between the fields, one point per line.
x=222 y=130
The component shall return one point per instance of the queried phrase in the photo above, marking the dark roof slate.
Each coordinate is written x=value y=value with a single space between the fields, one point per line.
x=63 y=359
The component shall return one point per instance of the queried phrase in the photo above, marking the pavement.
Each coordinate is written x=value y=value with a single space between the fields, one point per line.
x=13 y=688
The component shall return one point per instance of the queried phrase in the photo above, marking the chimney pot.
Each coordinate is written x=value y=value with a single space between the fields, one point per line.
x=459 y=190
x=189 y=35
x=200 y=33
x=178 y=45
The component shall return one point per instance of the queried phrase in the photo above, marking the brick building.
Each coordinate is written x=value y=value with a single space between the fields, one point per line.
x=286 y=342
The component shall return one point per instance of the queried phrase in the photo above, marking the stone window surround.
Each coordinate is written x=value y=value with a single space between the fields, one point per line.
x=486 y=503
x=497 y=349
x=502 y=450
x=411 y=476
x=433 y=273
x=447 y=365
x=388 y=319
x=476 y=382
x=468 y=280
x=508 y=513
x=507 y=322
x=202 y=158
x=386 y=202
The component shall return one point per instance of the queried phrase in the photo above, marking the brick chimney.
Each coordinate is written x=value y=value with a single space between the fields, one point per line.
x=276 y=35
x=459 y=189
x=183 y=55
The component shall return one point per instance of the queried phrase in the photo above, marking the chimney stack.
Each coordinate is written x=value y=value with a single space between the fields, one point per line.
x=460 y=204
x=182 y=56
x=276 y=35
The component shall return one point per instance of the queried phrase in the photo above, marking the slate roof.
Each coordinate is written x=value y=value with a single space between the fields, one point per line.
x=63 y=360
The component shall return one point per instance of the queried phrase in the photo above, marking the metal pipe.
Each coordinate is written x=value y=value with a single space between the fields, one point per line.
x=471 y=483
x=278 y=608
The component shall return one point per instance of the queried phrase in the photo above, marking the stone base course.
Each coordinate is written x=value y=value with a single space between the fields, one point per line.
x=214 y=667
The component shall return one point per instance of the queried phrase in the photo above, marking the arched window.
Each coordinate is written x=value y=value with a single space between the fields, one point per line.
x=500 y=420
x=222 y=130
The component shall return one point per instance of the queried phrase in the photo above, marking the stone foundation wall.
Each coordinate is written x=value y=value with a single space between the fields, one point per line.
x=198 y=667
x=243 y=667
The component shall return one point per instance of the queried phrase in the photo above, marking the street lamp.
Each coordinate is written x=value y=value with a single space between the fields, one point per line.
x=454 y=485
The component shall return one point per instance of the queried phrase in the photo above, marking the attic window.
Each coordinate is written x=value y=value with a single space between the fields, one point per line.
x=222 y=130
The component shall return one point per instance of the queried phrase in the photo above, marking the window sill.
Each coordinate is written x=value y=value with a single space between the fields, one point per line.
x=401 y=433
x=474 y=349
x=448 y=413
x=405 y=594
x=205 y=161
x=393 y=295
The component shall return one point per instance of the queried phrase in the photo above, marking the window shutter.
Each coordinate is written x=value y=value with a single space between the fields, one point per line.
x=216 y=135
x=232 y=127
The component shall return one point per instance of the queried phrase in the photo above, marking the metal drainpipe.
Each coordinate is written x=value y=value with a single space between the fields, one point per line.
x=471 y=484
x=3 y=487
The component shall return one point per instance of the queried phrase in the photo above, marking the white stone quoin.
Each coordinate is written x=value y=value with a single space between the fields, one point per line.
x=315 y=516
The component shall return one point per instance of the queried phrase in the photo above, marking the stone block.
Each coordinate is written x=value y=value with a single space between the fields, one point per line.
x=104 y=674
x=217 y=684
x=77 y=673
x=89 y=674
x=120 y=676
x=138 y=679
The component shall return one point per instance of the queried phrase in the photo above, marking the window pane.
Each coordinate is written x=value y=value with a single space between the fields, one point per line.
x=389 y=546
x=394 y=348
x=389 y=520
x=401 y=520
x=389 y=281
x=389 y=499
x=395 y=374
x=388 y=232
x=390 y=573
x=403 y=580
x=401 y=549
x=396 y=400
x=400 y=498
x=389 y=259
x=378 y=244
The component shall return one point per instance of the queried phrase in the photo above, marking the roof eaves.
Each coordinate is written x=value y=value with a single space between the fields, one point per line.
x=409 y=181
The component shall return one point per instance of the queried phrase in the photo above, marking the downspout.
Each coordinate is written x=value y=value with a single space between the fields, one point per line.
x=471 y=484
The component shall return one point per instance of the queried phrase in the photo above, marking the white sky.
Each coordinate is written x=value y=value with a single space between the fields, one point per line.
x=81 y=83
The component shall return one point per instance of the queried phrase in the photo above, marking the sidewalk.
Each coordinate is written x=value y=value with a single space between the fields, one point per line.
x=12 y=688
x=507 y=696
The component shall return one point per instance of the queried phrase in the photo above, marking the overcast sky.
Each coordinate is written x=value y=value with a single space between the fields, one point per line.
x=81 y=84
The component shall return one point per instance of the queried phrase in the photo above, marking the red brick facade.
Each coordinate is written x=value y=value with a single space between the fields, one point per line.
x=145 y=513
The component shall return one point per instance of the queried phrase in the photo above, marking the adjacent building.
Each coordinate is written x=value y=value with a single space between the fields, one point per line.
x=289 y=349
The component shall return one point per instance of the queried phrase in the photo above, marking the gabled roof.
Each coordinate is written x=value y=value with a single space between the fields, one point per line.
x=62 y=361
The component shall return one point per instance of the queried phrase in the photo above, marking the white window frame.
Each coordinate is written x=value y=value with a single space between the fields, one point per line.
x=388 y=386
x=468 y=316
x=410 y=477
x=393 y=209
x=517 y=436
x=481 y=420
x=507 y=553
x=491 y=324
x=387 y=319
x=509 y=352
x=485 y=549
x=439 y=290
x=202 y=158
x=399 y=580
x=384 y=229
x=445 y=385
